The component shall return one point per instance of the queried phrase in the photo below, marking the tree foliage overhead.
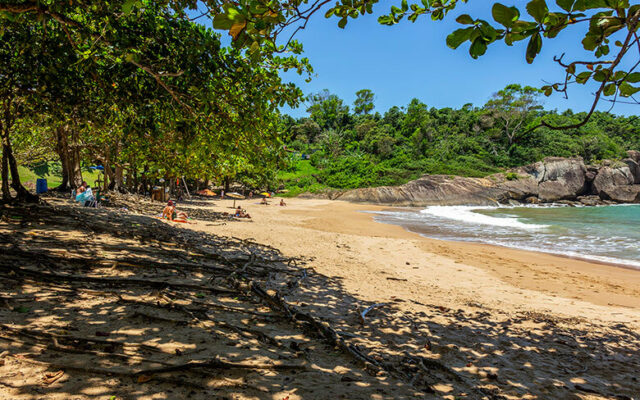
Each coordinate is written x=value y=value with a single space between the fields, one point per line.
x=152 y=94
x=609 y=33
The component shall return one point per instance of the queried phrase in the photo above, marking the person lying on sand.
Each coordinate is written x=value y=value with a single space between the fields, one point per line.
x=282 y=203
x=181 y=216
x=240 y=213
x=264 y=201
x=174 y=215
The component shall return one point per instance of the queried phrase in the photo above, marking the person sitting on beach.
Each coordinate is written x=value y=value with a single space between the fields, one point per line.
x=82 y=187
x=251 y=194
x=264 y=201
x=169 y=211
x=240 y=213
x=84 y=195
x=282 y=203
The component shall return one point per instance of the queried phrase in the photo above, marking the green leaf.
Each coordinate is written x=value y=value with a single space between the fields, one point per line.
x=405 y=5
x=505 y=15
x=524 y=27
x=128 y=5
x=478 y=48
x=565 y=4
x=583 y=77
x=633 y=77
x=510 y=38
x=600 y=76
x=609 y=89
x=590 y=42
x=533 y=48
x=538 y=10
x=222 y=21
x=459 y=36
x=342 y=23
x=627 y=90
x=465 y=19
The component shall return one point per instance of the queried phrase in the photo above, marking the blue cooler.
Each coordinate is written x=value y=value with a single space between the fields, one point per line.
x=41 y=186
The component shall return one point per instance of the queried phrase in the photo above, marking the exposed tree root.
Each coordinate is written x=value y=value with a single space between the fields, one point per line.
x=51 y=277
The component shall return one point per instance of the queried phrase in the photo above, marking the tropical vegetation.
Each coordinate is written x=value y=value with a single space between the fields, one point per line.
x=335 y=147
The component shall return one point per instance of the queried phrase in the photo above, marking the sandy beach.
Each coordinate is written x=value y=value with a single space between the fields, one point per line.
x=527 y=325
x=408 y=317
x=344 y=241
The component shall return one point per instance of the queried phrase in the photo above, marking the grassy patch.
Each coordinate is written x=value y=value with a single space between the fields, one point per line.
x=52 y=173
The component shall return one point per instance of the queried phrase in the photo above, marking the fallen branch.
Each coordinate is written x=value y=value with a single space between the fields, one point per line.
x=55 y=346
x=106 y=371
x=216 y=363
x=325 y=330
x=75 y=339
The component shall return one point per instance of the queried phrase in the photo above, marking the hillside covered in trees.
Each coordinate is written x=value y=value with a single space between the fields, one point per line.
x=338 y=146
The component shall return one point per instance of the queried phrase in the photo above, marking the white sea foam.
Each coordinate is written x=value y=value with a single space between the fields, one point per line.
x=467 y=214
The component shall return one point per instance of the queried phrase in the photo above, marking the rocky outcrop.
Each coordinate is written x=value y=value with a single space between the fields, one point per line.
x=558 y=178
x=617 y=183
x=555 y=179
x=431 y=190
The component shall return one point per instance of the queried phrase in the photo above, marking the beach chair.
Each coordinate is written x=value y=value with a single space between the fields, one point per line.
x=96 y=201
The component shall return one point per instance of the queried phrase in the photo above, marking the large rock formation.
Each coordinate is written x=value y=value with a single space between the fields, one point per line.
x=554 y=179
x=430 y=190
x=617 y=183
x=558 y=178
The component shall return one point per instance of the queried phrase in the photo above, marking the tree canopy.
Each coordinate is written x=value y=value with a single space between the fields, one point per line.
x=154 y=93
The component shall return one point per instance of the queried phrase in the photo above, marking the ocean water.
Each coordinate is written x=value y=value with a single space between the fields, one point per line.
x=607 y=234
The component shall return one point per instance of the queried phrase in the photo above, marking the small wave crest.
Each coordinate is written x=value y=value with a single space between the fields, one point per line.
x=467 y=214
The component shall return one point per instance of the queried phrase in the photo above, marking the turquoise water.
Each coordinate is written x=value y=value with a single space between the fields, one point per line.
x=606 y=234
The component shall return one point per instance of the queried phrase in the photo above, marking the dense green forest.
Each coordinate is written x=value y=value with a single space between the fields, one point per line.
x=350 y=147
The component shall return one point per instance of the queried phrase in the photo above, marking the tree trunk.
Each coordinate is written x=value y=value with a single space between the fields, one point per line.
x=7 y=158
x=22 y=193
x=227 y=182
x=75 y=172
x=118 y=179
x=62 y=148
x=6 y=194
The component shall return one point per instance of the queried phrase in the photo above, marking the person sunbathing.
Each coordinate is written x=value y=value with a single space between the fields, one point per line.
x=181 y=216
x=282 y=203
x=169 y=211
x=240 y=213
x=264 y=201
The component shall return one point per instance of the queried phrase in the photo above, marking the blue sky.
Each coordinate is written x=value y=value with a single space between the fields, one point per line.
x=411 y=60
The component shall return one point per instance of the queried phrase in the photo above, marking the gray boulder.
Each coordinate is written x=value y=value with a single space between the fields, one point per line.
x=634 y=168
x=590 y=200
x=609 y=177
x=617 y=184
x=622 y=194
x=634 y=155
x=559 y=178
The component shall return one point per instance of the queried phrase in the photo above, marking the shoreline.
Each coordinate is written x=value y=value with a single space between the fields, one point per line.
x=537 y=251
